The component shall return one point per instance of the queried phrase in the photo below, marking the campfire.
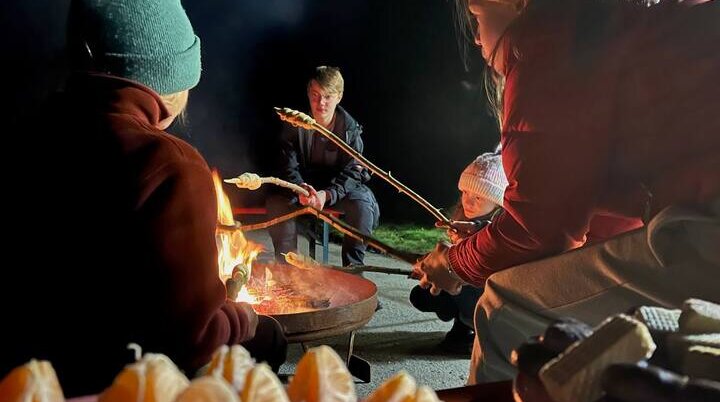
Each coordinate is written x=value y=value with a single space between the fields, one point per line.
x=275 y=288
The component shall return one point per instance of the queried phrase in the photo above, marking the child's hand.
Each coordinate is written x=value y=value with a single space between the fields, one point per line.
x=453 y=236
x=461 y=228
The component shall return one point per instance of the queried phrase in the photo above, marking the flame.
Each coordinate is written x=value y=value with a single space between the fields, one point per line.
x=234 y=251
x=245 y=297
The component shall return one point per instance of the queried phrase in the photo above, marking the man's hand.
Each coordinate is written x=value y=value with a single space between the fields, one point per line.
x=436 y=272
x=306 y=200
x=321 y=198
x=315 y=199
x=252 y=318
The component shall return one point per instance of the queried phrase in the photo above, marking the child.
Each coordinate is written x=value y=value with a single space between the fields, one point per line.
x=482 y=185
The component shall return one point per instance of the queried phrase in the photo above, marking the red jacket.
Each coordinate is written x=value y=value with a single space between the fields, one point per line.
x=592 y=122
x=130 y=255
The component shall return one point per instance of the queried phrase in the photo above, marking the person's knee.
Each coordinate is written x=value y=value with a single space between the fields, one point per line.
x=361 y=214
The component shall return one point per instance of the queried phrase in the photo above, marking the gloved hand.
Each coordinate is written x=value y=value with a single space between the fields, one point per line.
x=316 y=199
x=532 y=355
x=436 y=272
x=252 y=318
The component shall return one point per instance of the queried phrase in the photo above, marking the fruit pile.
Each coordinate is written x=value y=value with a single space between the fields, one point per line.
x=232 y=376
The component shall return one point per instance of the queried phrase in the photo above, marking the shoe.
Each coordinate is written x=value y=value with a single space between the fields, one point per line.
x=459 y=340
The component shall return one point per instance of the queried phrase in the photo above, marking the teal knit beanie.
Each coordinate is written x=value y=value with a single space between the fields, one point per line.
x=148 y=41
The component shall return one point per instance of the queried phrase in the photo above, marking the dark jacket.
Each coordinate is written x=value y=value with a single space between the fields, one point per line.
x=130 y=255
x=340 y=176
x=622 y=120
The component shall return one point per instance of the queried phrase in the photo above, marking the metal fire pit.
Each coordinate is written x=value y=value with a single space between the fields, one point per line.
x=351 y=310
x=352 y=305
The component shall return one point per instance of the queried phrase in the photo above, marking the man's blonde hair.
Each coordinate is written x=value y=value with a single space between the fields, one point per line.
x=329 y=78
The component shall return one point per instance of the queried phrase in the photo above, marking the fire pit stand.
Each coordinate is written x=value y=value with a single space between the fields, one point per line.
x=357 y=366
x=351 y=308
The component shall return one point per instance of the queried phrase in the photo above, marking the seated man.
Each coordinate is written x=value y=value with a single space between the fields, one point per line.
x=332 y=177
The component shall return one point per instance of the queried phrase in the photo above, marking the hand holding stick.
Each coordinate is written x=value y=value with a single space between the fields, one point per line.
x=302 y=120
x=251 y=181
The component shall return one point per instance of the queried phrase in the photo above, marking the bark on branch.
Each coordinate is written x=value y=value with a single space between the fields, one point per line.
x=302 y=120
x=339 y=225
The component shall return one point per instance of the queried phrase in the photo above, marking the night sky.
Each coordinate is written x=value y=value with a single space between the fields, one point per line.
x=424 y=115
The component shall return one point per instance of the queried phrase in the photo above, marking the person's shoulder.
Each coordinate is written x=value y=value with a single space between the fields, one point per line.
x=158 y=153
x=349 y=122
x=179 y=150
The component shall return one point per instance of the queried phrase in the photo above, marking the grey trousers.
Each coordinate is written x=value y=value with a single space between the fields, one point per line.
x=675 y=257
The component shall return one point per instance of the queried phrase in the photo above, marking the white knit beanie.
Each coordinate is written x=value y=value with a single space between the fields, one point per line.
x=484 y=177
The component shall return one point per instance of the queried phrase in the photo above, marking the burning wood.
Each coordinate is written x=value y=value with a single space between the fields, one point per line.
x=285 y=290
x=251 y=181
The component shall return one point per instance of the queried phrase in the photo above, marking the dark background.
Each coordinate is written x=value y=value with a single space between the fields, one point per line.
x=423 y=113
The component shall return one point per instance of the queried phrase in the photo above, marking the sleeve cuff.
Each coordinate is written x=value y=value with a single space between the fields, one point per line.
x=331 y=196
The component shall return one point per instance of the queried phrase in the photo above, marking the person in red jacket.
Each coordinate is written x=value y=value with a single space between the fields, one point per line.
x=608 y=109
x=132 y=254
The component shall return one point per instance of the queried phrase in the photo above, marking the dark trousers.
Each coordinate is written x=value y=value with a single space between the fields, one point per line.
x=460 y=307
x=360 y=210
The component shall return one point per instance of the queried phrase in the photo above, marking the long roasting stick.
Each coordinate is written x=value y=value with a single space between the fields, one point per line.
x=251 y=181
x=335 y=223
x=308 y=264
x=302 y=120
x=357 y=269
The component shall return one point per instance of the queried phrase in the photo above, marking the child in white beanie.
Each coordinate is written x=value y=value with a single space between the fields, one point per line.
x=482 y=186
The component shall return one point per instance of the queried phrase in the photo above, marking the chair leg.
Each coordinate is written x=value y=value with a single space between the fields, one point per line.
x=326 y=242
x=311 y=247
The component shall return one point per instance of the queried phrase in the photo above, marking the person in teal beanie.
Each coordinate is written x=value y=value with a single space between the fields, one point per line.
x=132 y=257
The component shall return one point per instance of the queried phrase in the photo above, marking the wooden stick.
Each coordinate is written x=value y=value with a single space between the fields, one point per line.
x=357 y=269
x=251 y=181
x=339 y=225
x=302 y=120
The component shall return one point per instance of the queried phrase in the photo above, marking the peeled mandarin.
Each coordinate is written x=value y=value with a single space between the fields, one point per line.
x=399 y=388
x=232 y=364
x=35 y=381
x=154 y=378
x=322 y=376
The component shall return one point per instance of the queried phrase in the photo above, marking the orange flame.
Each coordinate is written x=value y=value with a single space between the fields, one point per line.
x=233 y=249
